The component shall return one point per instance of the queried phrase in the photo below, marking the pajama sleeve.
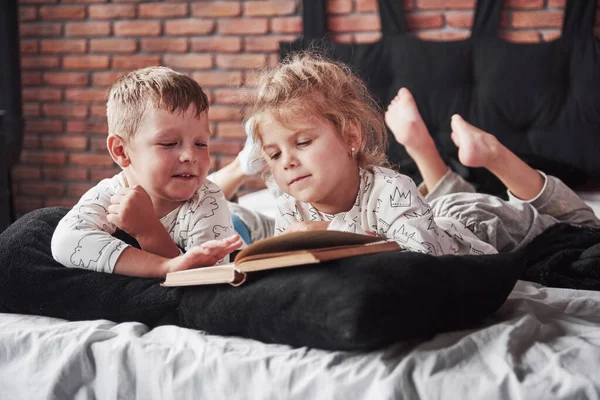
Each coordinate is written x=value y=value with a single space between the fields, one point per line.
x=83 y=238
x=288 y=212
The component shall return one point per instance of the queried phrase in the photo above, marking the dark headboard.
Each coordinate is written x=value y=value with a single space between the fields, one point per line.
x=541 y=100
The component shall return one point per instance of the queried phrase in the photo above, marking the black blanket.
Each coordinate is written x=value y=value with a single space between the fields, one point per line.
x=357 y=303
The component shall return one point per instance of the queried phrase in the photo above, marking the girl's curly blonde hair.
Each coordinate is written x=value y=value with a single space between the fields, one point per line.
x=310 y=85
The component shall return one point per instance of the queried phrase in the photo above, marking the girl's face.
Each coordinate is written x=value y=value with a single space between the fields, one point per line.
x=169 y=157
x=312 y=164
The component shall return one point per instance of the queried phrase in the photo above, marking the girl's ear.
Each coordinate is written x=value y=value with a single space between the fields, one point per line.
x=116 y=148
x=354 y=135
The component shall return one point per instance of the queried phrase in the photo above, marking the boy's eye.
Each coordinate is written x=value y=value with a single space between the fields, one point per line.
x=201 y=144
x=169 y=144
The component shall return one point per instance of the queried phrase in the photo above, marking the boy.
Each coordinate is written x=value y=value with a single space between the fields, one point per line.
x=158 y=134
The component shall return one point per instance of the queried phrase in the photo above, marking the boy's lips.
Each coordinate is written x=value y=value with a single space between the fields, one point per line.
x=298 y=179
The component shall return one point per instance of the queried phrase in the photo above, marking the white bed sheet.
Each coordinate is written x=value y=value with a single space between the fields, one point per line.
x=543 y=343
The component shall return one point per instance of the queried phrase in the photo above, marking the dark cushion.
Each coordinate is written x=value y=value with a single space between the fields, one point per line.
x=355 y=303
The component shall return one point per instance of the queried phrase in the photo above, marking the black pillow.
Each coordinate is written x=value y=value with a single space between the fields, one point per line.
x=357 y=303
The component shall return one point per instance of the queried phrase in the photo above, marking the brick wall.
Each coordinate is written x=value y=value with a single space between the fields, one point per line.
x=73 y=49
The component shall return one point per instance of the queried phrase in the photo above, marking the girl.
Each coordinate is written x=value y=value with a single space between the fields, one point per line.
x=324 y=143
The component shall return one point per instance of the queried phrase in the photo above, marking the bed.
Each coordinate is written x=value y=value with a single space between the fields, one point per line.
x=519 y=325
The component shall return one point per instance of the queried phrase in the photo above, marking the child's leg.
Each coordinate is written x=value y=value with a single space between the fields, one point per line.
x=549 y=195
x=405 y=122
x=477 y=148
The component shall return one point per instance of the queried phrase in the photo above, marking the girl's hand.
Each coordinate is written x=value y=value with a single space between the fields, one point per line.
x=205 y=255
x=131 y=210
x=306 y=226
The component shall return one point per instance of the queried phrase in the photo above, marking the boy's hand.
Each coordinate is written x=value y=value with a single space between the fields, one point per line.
x=131 y=210
x=305 y=226
x=204 y=255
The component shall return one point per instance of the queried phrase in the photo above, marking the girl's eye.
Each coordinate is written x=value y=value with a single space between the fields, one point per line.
x=275 y=156
x=305 y=142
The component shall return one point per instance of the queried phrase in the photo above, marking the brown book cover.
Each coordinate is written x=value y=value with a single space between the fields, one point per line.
x=289 y=250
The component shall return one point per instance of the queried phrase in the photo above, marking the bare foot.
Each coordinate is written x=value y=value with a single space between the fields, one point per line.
x=405 y=122
x=476 y=148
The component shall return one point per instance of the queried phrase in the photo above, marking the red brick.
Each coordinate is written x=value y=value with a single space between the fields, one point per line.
x=363 y=37
x=66 y=78
x=37 y=1
x=29 y=46
x=84 y=1
x=241 y=61
x=86 y=95
x=30 y=141
x=60 y=201
x=556 y=3
x=243 y=26
x=44 y=126
x=185 y=27
x=134 y=61
x=231 y=130
x=31 y=110
x=137 y=28
x=173 y=45
x=232 y=96
x=355 y=23
x=106 y=78
x=549 y=36
x=265 y=43
x=339 y=6
x=189 y=61
x=225 y=147
x=25 y=204
x=63 y=46
x=251 y=78
x=77 y=190
x=270 y=8
x=366 y=6
x=62 y=12
x=156 y=10
x=88 y=127
x=102 y=173
x=41 y=94
x=112 y=11
x=98 y=143
x=224 y=113
x=27 y=13
x=223 y=44
x=112 y=45
x=39 y=62
x=90 y=159
x=272 y=60
x=520 y=36
x=524 y=4
x=43 y=158
x=424 y=21
x=86 y=62
x=87 y=29
x=443 y=35
x=40 y=29
x=216 y=9
x=42 y=188
x=218 y=78
x=286 y=25
x=25 y=172
x=98 y=111
x=537 y=19
x=31 y=78
x=65 y=110
x=65 y=174
x=64 y=142
x=445 y=4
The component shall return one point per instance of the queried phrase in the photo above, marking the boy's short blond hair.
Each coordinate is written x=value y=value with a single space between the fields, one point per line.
x=160 y=88
x=309 y=85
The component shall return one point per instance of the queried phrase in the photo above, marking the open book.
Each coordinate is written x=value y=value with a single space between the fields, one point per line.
x=291 y=249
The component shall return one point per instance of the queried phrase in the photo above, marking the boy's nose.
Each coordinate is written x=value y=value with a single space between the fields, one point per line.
x=187 y=155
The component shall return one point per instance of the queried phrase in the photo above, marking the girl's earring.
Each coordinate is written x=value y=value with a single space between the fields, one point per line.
x=352 y=150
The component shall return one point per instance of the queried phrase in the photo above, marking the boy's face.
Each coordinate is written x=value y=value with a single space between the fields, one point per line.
x=311 y=163
x=169 y=156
